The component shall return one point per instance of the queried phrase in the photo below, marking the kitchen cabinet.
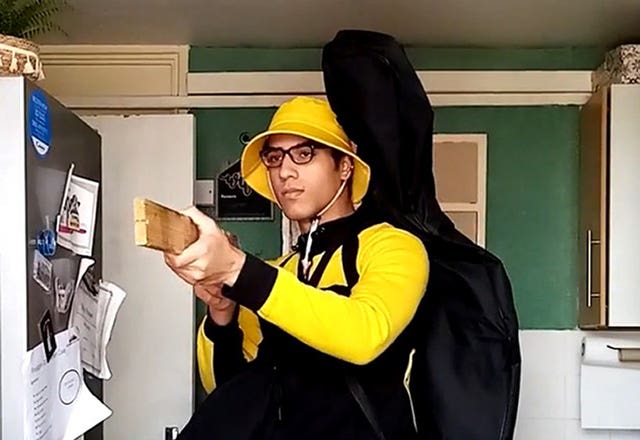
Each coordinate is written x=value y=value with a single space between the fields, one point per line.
x=609 y=232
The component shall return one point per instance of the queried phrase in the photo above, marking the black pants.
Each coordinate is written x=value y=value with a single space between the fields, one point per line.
x=245 y=409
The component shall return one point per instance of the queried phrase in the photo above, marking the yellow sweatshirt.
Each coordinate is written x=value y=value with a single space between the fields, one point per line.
x=393 y=270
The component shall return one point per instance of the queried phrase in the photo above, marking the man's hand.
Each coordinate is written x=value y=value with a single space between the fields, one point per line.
x=212 y=259
x=220 y=309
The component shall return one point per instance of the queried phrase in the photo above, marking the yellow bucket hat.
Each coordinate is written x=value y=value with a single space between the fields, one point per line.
x=310 y=118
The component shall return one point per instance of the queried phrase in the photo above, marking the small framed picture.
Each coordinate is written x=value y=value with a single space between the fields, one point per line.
x=235 y=200
x=42 y=271
x=47 y=335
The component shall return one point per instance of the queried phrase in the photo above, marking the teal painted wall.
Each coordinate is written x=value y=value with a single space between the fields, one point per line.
x=532 y=203
x=532 y=168
x=217 y=146
x=532 y=198
x=212 y=59
x=532 y=215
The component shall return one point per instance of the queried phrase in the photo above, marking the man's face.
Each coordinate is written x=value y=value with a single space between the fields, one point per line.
x=302 y=190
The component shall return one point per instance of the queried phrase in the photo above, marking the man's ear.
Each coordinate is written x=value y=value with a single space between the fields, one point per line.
x=346 y=167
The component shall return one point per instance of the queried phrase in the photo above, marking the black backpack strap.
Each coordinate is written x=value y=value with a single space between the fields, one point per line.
x=316 y=273
x=365 y=405
x=349 y=256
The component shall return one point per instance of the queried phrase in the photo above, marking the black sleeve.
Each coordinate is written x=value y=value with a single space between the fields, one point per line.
x=254 y=284
x=228 y=357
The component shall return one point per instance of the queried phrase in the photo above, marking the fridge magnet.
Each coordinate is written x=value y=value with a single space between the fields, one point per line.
x=39 y=123
x=47 y=335
x=77 y=218
x=46 y=240
x=63 y=294
x=42 y=270
x=69 y=387
x=84 y=274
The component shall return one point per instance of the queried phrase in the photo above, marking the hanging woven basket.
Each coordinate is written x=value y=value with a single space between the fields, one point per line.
x=20 y=57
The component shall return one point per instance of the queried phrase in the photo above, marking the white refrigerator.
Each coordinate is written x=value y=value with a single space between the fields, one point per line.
x=40 y=140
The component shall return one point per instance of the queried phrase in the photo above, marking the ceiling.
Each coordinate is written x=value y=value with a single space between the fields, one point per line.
x=311 y=23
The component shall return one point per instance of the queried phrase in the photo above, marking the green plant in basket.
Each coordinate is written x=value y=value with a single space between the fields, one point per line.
x=29 y=18
x=20 y=21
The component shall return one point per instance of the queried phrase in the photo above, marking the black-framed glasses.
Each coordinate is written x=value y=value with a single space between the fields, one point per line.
x=300 y=154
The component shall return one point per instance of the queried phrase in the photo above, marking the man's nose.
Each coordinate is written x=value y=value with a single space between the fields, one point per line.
x=288 y=168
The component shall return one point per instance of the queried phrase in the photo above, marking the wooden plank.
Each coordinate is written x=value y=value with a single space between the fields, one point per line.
x=161 y=228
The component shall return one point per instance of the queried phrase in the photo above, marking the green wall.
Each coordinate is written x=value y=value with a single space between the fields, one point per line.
x=532 y=184
x=532 y=203
x=217 y=146
x=532 y=194
x=213 y=59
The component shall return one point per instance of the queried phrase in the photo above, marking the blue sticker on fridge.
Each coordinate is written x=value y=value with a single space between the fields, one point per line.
x=39 y=123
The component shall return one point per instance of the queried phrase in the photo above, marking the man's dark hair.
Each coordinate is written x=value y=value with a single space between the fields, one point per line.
x=337 y=156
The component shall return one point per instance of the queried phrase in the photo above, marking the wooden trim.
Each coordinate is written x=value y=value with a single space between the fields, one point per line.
x=459 y=207
x=508 y=99
x=270 y=89
x=260 y=101
x=169 y=65
x=481 y=206
x=509 y=81
x=127 y=88
x=604 y=205
x=445 y=88
x=593 y=209
x=109 y=49
x=255 y=83
x=436 y=82
x=482 y=190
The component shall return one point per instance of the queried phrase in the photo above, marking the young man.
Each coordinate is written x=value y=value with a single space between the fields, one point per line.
x=306 y=346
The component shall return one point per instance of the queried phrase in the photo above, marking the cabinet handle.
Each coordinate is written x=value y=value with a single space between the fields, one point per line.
x=590 y=243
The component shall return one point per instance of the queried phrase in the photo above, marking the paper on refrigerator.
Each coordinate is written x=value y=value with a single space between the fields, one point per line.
x=58 y=404
x=94 y=313
x=77 y=219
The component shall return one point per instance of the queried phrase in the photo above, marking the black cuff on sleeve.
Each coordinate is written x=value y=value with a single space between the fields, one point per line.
x=216 y=333
x=254 y=283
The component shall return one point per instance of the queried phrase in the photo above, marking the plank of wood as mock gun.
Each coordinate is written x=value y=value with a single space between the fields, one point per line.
x=161 y=228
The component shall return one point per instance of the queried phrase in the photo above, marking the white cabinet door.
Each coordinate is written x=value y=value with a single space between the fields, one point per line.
x=151 y=353
x=624 y=206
